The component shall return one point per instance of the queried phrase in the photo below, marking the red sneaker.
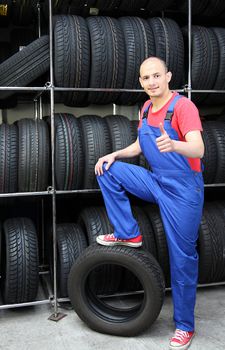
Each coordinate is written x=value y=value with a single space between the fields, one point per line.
x=111 y=240
x=181 y=339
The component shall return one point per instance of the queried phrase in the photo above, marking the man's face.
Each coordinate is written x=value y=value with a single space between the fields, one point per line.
x=154 y=79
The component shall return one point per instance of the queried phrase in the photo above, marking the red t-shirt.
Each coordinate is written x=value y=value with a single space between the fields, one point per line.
x=185 y=118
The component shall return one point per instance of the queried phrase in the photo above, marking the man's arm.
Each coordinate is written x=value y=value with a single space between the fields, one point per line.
x=131 y=151
x=192 y=148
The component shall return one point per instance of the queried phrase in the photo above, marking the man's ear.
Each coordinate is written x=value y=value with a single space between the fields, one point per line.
x=169 y=76
x=140 y=81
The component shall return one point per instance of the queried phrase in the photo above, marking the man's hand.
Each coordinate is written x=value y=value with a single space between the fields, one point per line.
x=164 y=142
x=109 y=159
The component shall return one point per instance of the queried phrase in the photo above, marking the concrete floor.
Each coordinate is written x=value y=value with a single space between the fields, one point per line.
x=30 y=329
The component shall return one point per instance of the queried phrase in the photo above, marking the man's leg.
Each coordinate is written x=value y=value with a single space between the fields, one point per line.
x=181 y=222
x=114 y=183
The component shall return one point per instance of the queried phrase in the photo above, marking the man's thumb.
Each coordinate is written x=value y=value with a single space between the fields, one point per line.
x=161 y=127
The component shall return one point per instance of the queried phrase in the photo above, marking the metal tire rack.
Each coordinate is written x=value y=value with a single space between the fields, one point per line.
x=51 y=191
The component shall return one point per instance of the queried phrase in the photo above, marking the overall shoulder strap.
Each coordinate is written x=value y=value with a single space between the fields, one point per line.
x=170 y=110
x=145 y=113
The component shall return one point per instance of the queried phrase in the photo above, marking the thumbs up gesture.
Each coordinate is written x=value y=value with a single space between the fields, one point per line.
x=164 y=142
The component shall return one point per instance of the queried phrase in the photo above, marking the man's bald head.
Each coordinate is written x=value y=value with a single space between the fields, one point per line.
x=154 y=59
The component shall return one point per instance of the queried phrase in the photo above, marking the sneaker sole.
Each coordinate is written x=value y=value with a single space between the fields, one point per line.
x=184 y=347
x=127 y=244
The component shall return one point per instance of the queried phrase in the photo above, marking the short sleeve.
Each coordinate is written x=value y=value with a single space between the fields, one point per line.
x=187 y=116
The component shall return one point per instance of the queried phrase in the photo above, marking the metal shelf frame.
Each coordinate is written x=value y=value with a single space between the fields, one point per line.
x=51 y=190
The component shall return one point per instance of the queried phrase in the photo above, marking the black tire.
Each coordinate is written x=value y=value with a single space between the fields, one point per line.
x=71 y=242
x=205 y=251
x=139 y=44
x=23 y=12
x=106 y=318
x=96 y=143
x=218 y=131
x=169 y=46
x=121 y=136
x=132 y=5
x=94 y=221
x=214 y=8
x=197 y=7
x=216 y=240
x=72 y=57
x=8 y=158
x=108 y=58
x=155 y=5
x=210 y=156
x=219 y=82
x=107 y=5
x=69 y=158
x=33 y=163
x=205 y=58
x=160 y=240
x=19 y=261
x=146 y=230
x=25 y=66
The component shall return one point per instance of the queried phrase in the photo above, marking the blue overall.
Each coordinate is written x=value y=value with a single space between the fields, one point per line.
x=179 y=192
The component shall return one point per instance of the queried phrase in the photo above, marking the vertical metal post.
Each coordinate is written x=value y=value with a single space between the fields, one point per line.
x=39 y=19
x=39 y=35
x=53 y=160
x=114 y=109
x=42 y=232
x=35 y=109
x=189 y=49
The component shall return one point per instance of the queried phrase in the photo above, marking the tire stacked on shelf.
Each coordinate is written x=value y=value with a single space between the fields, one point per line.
x=71 y=242
x=69 y=158
x=8 y=158
x=34 y=149
x=107 y=57
x=25 y=66
x=19 y=261
x=169 y=46
x=214 y=157
x=24 y=154
x=93 y=52
x=72 y=57
x=139 y=44
x=121 y=134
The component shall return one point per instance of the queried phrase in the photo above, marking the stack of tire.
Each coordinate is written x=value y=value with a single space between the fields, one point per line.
x=92 y=53
x=80 y=142
x=24 y=156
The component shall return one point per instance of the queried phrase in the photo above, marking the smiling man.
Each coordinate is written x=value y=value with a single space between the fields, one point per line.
x=169 y=135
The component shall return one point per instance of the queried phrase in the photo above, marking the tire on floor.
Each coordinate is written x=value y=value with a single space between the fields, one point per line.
x=113 y=319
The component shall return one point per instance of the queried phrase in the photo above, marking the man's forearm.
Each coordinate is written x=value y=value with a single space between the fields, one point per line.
x=189 y=149
x=131 y=151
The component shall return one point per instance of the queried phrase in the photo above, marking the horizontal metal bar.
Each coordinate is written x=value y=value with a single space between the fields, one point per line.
x=30 y=303
x=24 y=194
x=79 y=191
x=215 y=185
x=58 y=88
x=61 y=192
x=24 y=88
x=124 y=294
x=210 y=91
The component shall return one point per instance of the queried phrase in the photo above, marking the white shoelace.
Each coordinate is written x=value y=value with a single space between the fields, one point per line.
x=111 y=235
x=180 y=335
